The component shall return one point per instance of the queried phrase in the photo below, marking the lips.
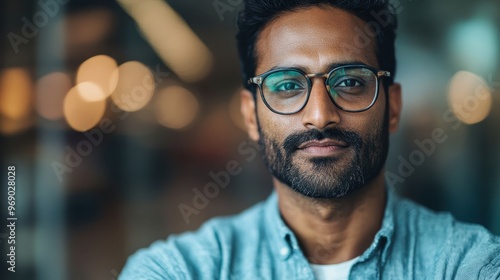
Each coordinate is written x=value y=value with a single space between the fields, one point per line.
x=323 y=148
x=323 y=144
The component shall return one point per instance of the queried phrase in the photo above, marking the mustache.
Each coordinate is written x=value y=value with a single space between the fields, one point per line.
x=293 y=141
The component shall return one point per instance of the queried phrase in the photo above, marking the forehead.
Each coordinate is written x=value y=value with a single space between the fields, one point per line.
x=314 y=38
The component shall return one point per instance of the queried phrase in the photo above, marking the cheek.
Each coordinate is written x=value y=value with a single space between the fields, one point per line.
x=268 y=121
x=374 y=117
x=276 y=127
x=367 y=124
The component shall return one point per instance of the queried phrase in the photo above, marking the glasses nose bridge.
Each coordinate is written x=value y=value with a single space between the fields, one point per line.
x=317 y=75
x=324 y=77
x=311 y=76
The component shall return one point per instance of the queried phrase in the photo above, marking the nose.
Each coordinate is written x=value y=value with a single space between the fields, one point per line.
x=320 y=112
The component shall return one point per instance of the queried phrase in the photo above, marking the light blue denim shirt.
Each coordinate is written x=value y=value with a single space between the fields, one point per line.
x=413 y=243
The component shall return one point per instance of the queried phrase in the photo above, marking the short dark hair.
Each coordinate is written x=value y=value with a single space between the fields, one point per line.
x=257 y=13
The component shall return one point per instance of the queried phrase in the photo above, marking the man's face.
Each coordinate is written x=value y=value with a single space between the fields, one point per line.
x=321 y=151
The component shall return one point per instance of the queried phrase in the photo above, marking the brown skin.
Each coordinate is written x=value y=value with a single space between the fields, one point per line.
x=329 y=230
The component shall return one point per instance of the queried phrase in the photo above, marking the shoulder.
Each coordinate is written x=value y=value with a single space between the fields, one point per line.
x=441 y=226
x=458 y=250
x=195 y=254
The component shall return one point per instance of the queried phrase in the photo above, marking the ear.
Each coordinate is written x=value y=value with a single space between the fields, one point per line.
x=395 y=106
x=249 y=114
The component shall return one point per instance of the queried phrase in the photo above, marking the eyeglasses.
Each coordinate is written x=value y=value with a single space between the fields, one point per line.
x=352 y=88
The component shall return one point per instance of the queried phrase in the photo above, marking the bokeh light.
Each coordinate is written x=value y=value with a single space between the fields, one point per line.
x=135 y=86
x=176 y=107
x=81 y=114
x=100 y=70
x=90 y=91
x=50 y=92
x=16 y=90
x=469 y=97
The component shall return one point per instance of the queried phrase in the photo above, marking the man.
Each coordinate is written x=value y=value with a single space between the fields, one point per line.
x=322 y=102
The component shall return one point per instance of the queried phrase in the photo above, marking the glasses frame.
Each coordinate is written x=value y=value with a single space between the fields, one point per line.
x=258 y=80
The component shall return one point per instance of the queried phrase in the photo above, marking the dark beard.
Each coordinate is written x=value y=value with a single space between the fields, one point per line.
x=328 y=177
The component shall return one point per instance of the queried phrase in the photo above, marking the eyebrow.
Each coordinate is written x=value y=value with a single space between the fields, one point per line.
x=329 y=67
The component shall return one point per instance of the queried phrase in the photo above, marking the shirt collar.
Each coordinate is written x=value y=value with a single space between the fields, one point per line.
x=383 y=238
x=280 y=234
x=284 y=242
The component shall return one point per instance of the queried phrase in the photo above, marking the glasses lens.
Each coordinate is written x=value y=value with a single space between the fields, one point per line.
x=285 y=91
x=353 y=88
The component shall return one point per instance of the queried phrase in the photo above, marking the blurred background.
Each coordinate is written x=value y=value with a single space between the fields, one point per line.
x=121 y=116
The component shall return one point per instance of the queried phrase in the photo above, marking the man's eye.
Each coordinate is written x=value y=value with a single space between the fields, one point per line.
x=286 y=86
x=349 y=83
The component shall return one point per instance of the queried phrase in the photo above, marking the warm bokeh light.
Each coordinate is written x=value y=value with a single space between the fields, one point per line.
x=135 y=86
x=16 y=98
x=175 y=107
x=50 y=92
x=11 y=127
x=81 y=114
x=469 y=97
x=100 y=70
x=171 y=38
x=91 y=91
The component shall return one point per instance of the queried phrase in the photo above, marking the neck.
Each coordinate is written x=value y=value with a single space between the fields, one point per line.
x=335 y=230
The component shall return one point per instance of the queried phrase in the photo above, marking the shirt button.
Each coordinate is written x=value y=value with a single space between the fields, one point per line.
x=284 y=251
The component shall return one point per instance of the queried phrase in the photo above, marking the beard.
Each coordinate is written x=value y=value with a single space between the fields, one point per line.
x=327 y=177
